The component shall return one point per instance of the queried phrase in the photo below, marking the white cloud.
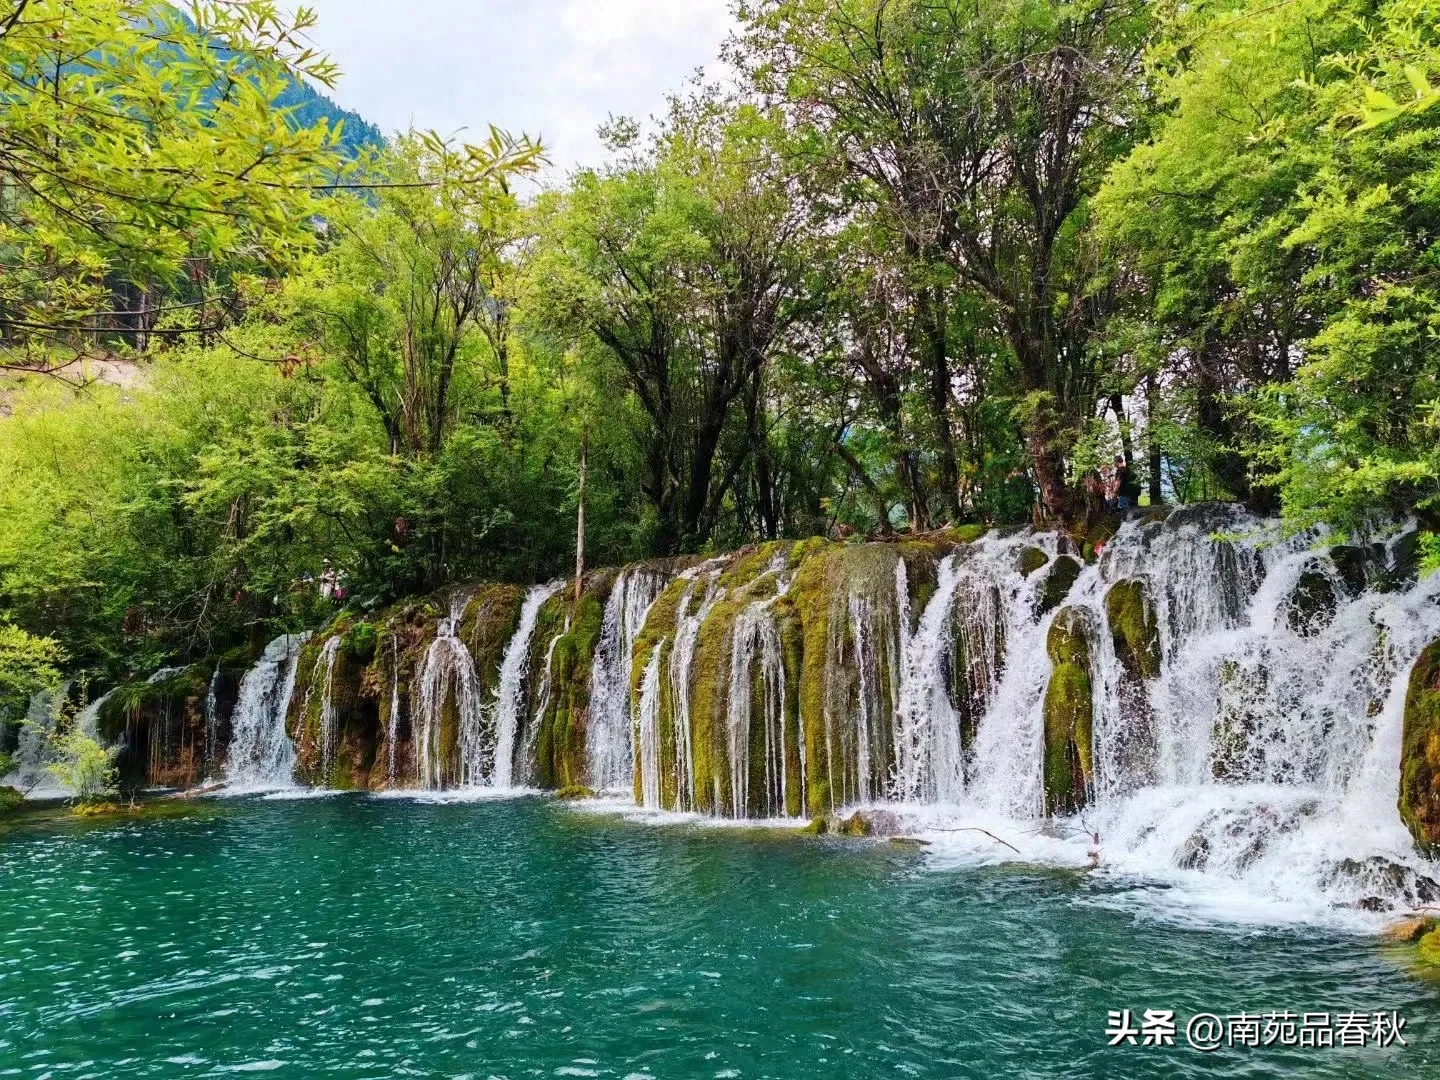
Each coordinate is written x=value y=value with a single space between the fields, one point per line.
x=555 y=68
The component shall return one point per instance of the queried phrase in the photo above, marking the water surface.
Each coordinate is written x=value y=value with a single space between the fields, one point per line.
x=362 y=937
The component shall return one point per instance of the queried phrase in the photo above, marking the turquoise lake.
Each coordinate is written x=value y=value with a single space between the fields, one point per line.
x=352 y=936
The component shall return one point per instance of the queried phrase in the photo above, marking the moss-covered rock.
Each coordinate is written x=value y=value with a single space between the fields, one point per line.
x=1428 y=948
x=1068 y=710
x=574 y=793
x=10 y=800
x=1420 y=756
x=1059 y=580
x=1312 y=604
x=561 y=735
x=1030 y=560
x=1134 y=628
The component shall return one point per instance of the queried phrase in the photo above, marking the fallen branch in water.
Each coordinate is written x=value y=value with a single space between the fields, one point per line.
x=987 y=832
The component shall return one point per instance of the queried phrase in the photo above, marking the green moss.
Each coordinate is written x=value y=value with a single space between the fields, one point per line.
x=809 y=599
x=1031 y=559
x=1134 y=628
x=1420 y=756
x=360 y=642
x=1068 y=711
x=11 y=800
x=857 y=824
x=574 y=792
x=560 y=742
x=818 y=826
x=1059 y=580
x=1428 y=948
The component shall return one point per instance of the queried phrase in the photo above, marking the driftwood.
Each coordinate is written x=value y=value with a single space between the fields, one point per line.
x=987 y=832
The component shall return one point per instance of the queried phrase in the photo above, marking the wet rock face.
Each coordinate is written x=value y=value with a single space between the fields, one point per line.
x=1135 y=631
x=1134 y=628
x=1312 y=604
x=1420 y=756
x=1352 y=564
x=1059 y=579
x=1030 y=560
x=1069 y=775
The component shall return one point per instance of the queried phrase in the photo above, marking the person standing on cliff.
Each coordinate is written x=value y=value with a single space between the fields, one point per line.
x=1127 y=488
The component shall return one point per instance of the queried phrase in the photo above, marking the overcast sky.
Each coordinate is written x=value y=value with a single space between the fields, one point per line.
x=555 y=68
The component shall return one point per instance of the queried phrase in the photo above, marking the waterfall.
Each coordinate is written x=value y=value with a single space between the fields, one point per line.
x=532 y=733
x=212 y=721
x=87 y=722
x=929 y=763
x=32 y=751
x=324 y=676
x=609 y=751
x=689 y=620
x=510 y=693
x=447 y=674
x=755 y=633
x=1003 y=768
x=647 y=737
x=392 y=732
x=261 y=753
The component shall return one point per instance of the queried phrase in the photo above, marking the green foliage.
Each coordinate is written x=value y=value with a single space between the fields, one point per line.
x=147 y=145
x=82 y=765
x=27 y=664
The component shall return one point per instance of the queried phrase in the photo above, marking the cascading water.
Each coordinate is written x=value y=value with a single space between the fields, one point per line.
x=929 y=762
x=447 y=675
x=510 y=693
x=392 y=732
x=691 y=617
x=324 y=677
x=609 y=751
x=755 y=634
x=212 y=721
x=532 y=733
x=261 y=753
x=647 y=735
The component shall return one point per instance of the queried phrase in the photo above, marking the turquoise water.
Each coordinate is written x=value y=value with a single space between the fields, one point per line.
x=361 y=937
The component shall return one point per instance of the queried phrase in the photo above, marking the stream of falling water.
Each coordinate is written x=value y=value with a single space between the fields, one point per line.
x=447 y=673
x=755 y=633
x=324 y=677
x=510 y=696
x=647 y=735
x=690 y=617
x=261 y=753
x=609 y=750
x=392 y=732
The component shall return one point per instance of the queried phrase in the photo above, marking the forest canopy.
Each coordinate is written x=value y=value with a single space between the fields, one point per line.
x=919 y=263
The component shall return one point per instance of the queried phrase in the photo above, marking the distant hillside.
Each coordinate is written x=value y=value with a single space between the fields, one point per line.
x=310 y=105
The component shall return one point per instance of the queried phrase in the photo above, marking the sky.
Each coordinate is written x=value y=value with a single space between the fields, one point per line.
x=553 y=68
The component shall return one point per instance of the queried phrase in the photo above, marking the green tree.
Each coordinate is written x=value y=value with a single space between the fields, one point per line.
x=684 y=264
x=142 y=146
x=985 y=128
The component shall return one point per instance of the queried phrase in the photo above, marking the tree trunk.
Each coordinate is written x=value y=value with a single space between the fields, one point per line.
x=939 y=383
x=1152 y=440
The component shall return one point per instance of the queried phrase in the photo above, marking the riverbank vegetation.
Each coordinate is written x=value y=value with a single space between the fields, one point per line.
x=919 y=264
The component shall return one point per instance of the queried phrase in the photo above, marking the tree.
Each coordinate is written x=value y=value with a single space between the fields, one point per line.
x=142 y=146
x=985 y=127
x=1283 y=216
x=414 y=279
x=684 y=265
